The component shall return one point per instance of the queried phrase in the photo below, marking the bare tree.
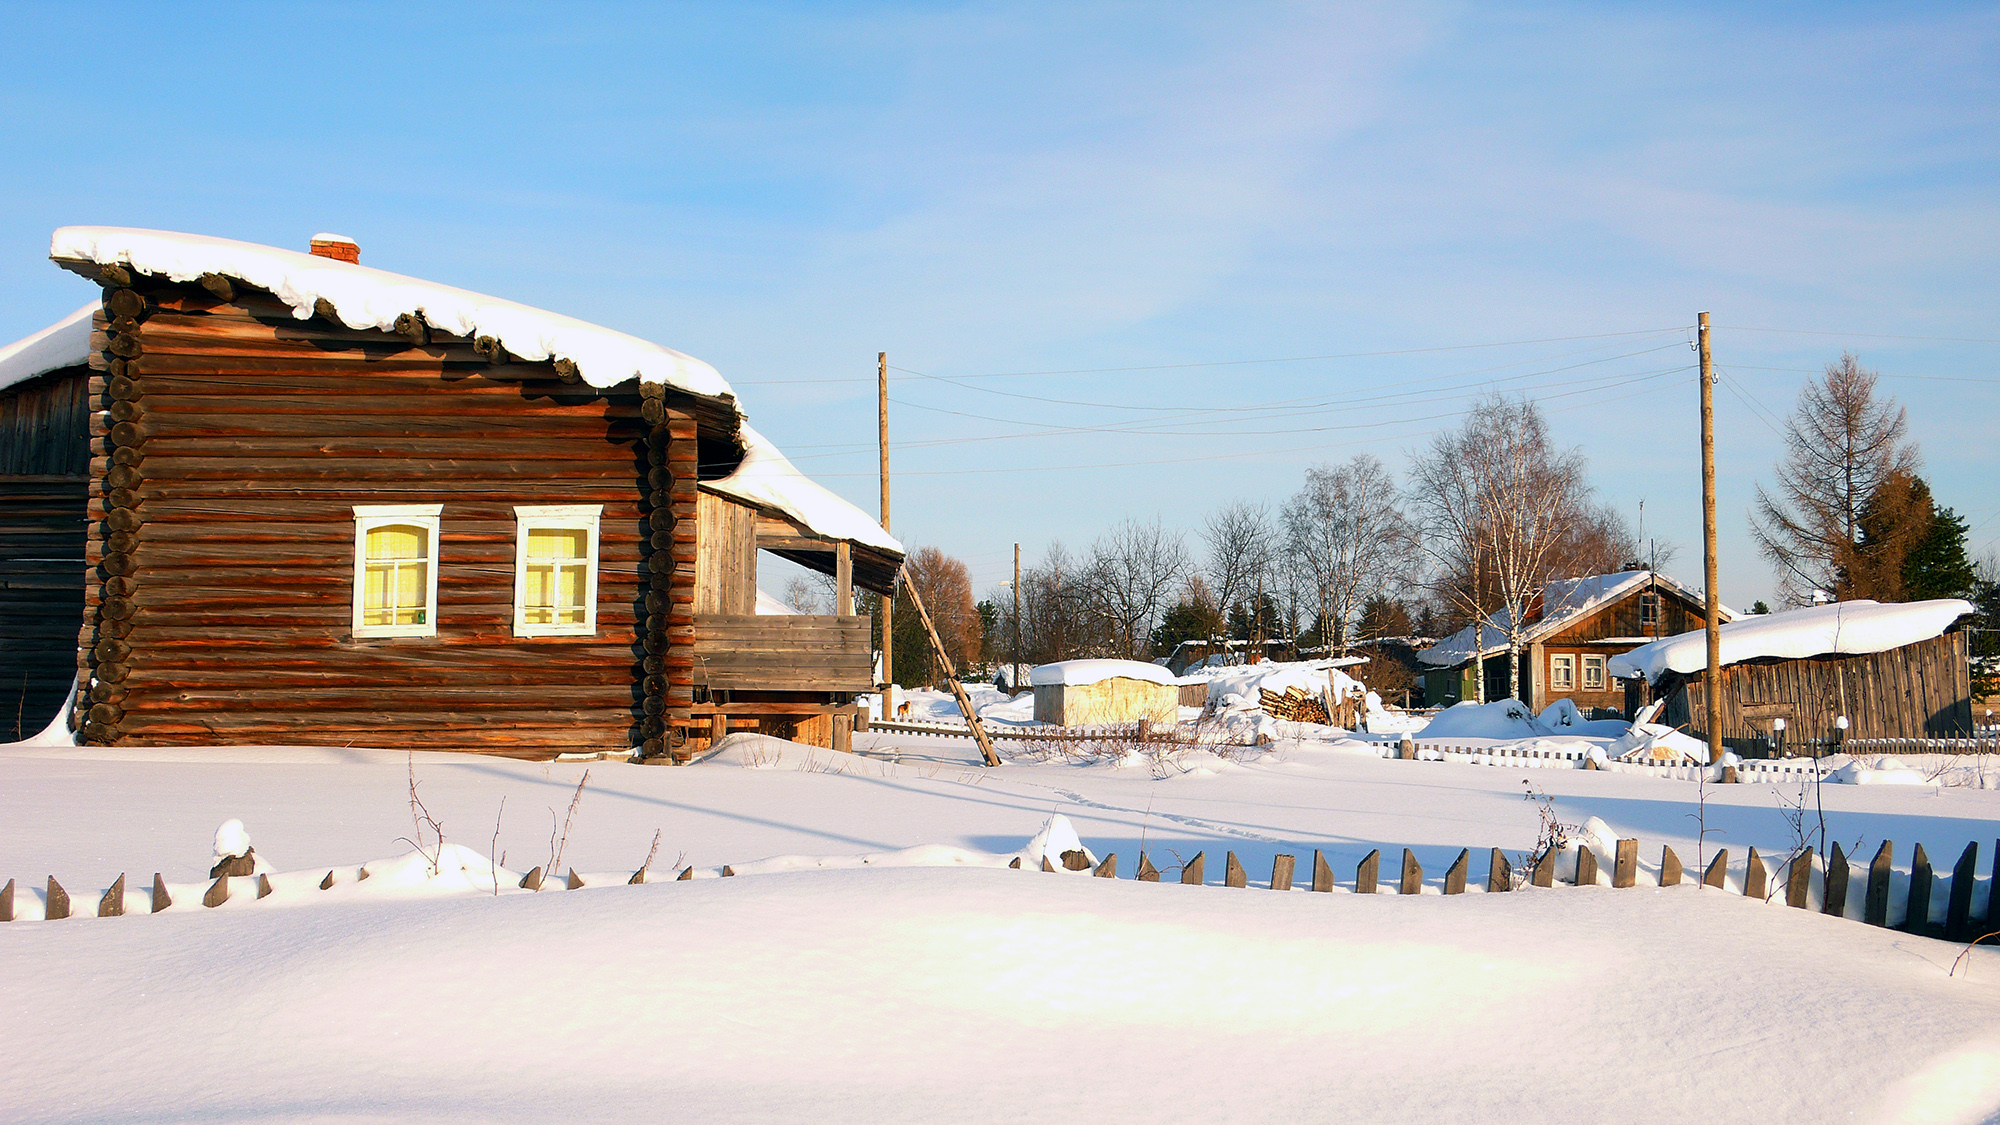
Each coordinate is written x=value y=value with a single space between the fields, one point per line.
x=1347 y=532
x=1238 y=539
x=1841 y=444
x=1495 y=500
x=1600 y=542
x=803 y=594
x=946 y=587
x=1136 y=569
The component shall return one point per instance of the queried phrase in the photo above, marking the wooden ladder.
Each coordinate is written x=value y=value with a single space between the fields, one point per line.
x=951 y=677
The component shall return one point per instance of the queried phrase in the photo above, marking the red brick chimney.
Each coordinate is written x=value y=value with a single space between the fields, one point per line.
x=336 y=246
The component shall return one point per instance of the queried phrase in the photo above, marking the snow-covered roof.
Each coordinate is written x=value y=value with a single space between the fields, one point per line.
x=66 y=343
x=768 y=606
x=1073 y=673
x=1565 y=601
x=766 y=479
x=1850 y=628
x=362 y=297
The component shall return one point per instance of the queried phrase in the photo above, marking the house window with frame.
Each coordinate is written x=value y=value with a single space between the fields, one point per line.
x=395 y=570
x=1649 y=609
x=1562 y=672
x=555 y=570
x=1593 y=673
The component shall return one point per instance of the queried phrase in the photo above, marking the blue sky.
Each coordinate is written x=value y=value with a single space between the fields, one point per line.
x=784 y=191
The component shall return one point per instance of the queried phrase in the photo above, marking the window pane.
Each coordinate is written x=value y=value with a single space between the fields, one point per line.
x=557 y=543
x=537 y=584
x=570 y=588
x=400 y=541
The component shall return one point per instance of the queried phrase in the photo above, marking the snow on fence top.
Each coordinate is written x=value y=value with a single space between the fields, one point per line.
x=1564 y=601
x=66 y=343
x=1075 y=673
x=1851 y=628
x=362 y=297
x=766 y=479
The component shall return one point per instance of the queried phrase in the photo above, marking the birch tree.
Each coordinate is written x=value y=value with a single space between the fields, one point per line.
x=1136 y=569
x=1496 y=500
x=1346 y=530
x=1238 y=540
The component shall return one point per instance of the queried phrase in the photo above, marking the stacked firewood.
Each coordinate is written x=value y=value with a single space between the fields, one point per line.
x=1296 y=705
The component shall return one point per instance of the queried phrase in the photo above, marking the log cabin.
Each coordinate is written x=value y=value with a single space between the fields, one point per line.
x=1886 y=671
x=1575 y=627
x=296 y=500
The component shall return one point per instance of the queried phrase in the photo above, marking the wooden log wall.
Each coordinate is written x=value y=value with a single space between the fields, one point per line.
x=234 y=443
x=1918 y=690
x=673 y=547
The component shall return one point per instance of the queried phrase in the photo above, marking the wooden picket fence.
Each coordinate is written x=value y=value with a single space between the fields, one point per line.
x=1793 y=877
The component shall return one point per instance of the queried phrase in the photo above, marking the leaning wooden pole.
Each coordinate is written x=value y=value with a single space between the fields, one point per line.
x=951 y=677
x=1712 y=688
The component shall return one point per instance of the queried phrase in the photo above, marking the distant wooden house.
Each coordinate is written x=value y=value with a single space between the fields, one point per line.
x=1574 y=627
x=332 y=505
x=1893 y=671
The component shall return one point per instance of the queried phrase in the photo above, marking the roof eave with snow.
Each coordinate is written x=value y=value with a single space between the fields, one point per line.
x=66 y=343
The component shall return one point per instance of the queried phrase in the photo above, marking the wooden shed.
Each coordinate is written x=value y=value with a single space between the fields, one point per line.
x=333 y=505
x=1079 y=693
x=1894 y=671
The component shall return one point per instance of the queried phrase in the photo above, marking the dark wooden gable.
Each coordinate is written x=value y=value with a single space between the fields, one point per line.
x=44 y=459
x=1622 y=619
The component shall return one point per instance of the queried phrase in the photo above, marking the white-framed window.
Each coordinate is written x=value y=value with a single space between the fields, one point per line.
x=1593 y=673
x=1562 y=672
x=395 y=570
x=555 y=569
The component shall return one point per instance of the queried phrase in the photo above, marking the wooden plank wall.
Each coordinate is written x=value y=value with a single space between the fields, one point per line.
x=1918 y=690
x=726 y=565
x=43 y=429
x=1621 y=619
x=248 y=436
x=41 y=596
x=790 y=653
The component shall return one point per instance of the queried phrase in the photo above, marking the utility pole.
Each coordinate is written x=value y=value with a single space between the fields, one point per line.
x=1014 y=673
x=888 y=600
x=1712 y=696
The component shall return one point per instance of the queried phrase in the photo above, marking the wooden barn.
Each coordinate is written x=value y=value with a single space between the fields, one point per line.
x=325 y=504
x=1575 y=627
x=44 y=476
x=1078 y=693
x=1894 y=671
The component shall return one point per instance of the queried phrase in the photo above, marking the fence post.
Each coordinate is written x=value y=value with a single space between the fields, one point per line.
x=1322 y=874
x=1625 y=872
x=58 y=901
x=1798 y=880
x=1413 y=875
x=1109 y=868
x=1958 y=908
x=1367 y=872
x=1670 y=867
x=1146 y=873
x=1281 y=872
x=1993 y=892
x=1755 y=878
x=1917 y=909
x=7 y=902
x=1586 y=866
x=1545 y=870
x=1717 y=875
x=532 y=881
x=1232 y=872
x=1875 y=908
x=112 y=905
x=1454 y=877
x=1499 y=876
x=1191 y=870
x=218 y=893
x=1836 y=883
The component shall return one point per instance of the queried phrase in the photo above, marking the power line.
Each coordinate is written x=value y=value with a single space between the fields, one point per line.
x=1859 y=335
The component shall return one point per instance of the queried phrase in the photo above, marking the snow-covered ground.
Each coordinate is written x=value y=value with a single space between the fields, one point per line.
x=874 y=960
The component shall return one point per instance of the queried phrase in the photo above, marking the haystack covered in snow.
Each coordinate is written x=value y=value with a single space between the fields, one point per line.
x=1893 y=671
x=1574 y=628
x=342 y=506
x=1075 y=693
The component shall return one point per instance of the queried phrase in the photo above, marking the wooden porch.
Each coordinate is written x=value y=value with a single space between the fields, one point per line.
x=794 y=676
